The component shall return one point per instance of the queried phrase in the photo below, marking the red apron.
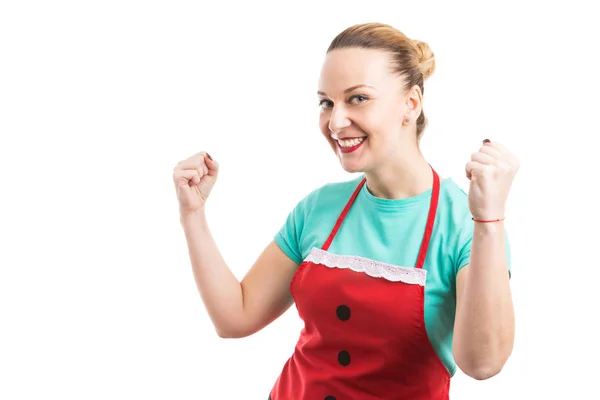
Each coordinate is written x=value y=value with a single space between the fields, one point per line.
x=364 y=336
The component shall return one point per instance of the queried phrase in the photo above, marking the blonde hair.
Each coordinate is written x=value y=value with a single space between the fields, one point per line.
x=412 y=59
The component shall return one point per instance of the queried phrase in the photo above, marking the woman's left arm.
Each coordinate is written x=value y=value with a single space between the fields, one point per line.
x=484 y=327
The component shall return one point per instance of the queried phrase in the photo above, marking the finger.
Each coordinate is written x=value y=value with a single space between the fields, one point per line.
x=477 y=167
x=194 y=162
x=201 y=166
x=188 y=177
x=195 y=167
x=483 y=158
x=195 y=179
x=474 y=167
x=213 y=166
x=491 y=151
x=496 y=145
x=469 y=169
x=507 y=154
x=471 y=165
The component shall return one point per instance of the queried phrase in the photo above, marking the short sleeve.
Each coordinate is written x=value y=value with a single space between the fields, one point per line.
x=289 y=237
x=464 y=247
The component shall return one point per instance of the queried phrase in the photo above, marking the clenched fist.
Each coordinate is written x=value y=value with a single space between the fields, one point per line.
x=194 y=178
x=491 y=171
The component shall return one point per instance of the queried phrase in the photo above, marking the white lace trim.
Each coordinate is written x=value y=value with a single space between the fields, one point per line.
x=376 y=269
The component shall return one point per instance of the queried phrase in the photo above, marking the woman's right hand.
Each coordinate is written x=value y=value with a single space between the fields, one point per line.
x=194 y=179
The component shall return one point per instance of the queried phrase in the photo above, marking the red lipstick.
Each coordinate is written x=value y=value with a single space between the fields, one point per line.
x=353 y=148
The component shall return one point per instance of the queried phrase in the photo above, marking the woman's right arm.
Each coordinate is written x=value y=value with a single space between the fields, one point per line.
x=237 y=309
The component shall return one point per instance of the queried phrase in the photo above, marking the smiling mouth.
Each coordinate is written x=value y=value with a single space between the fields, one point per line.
x=350 y=145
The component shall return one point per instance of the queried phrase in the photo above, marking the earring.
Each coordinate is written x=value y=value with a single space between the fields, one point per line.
x=407 y=119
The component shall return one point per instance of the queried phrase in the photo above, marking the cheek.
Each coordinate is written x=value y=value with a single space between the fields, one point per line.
x=324 y=127
x=372 y=120
x=394 y=116
x=372 y=125
x=382 y=123
x=324 y=124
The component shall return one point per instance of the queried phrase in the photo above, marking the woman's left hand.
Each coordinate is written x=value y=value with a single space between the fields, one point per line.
x=491 y=172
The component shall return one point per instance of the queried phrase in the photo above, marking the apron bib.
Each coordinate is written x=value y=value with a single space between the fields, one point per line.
x=364 y=333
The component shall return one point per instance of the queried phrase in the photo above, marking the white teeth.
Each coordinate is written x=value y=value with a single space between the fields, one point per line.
x=350 y=142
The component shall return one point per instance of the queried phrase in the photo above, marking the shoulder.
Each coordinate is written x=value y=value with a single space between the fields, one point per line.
x=310 y=220
x=454 y=195
x=454 y=223
x=454 y=205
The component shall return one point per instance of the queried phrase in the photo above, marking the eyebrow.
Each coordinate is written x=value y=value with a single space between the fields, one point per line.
x=350 y=89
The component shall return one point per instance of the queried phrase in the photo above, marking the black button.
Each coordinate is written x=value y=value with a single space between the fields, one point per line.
x=343 y=313
x=344 y=358
x=330 y=398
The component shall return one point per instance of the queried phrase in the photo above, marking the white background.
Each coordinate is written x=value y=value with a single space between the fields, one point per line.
x=99 y=101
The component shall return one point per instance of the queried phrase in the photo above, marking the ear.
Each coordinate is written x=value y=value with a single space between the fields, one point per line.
x=414 y=101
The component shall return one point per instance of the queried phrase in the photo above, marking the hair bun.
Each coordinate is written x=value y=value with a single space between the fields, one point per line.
x=426 y=58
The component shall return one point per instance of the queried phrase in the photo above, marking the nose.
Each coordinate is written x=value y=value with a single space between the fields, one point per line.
x=338 y=119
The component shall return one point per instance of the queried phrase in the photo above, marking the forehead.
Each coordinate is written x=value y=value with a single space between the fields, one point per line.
x=348 y=67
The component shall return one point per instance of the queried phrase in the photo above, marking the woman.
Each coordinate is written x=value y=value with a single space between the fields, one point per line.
x=398 y=275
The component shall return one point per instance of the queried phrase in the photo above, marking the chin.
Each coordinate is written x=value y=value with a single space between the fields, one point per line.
x=351 y=167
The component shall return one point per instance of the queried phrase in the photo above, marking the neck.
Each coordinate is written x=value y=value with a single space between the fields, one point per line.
x=400 y=178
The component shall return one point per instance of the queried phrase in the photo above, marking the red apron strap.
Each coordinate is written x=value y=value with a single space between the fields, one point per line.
x=343 y=214
x=435 y=195
x=428 y=228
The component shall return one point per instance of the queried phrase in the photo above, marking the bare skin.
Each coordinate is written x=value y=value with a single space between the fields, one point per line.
x=237 y=309
x=361 y=98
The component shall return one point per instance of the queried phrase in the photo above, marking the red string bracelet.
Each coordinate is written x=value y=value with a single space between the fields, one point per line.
x=487 y=220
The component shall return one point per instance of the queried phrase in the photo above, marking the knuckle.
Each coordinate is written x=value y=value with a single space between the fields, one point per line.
x=509 y=165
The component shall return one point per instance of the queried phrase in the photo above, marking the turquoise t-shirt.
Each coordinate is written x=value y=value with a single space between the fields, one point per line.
x=391 y=231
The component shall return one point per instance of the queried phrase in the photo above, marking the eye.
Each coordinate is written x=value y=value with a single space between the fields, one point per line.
x=359 y=98
x=325 y=104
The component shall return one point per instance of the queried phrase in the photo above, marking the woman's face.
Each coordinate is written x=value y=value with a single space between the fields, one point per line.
x=363 y=105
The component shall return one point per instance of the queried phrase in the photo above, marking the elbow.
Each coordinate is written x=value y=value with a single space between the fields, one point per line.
x=482 y=363
x=225 y=334
x=480 y=368
x=231 y=333
x=228 y=334
x=482 y=372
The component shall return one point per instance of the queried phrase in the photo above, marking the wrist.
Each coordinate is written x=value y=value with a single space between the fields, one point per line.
x=487 y=220
x=492 y=215
x=485 y=229
x=187 y=217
